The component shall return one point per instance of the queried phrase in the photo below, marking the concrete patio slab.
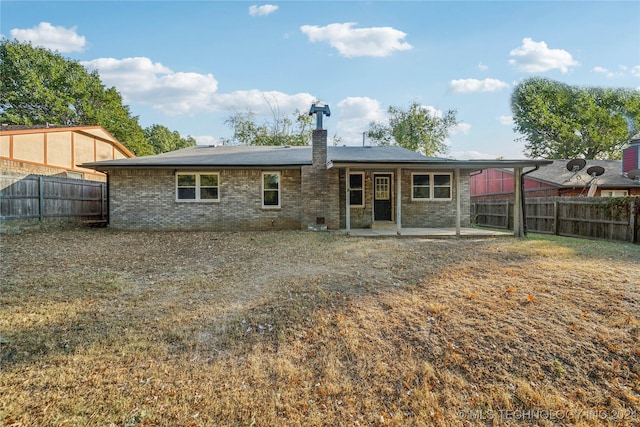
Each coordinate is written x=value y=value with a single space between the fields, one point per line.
x=435 y=233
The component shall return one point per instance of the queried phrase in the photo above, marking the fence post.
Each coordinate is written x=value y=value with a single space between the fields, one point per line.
x=41 y=197
x=506 y=214
x=556 y=216
x=633 y=219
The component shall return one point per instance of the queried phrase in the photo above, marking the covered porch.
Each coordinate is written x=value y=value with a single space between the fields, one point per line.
x=458 y=196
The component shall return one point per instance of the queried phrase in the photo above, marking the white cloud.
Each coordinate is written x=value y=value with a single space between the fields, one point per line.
x=471 y=154
x=262 y=103
x=536 y=57
x=434 y=112
x=141 y=81
x=206 y=140
x=505 y=120
x=355 y=114
x=460 y=128
x=482 y=67
x=475 y=85
x=351 y=42
x=635 y=71
x=600 y=70
x=264 y=10
x=61 y=39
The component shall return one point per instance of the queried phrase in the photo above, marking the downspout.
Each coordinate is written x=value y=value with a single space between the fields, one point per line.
x=522 y=199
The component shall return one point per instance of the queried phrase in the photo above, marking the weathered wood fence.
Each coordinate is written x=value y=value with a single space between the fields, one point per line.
x=46 y=199
x=610 y=218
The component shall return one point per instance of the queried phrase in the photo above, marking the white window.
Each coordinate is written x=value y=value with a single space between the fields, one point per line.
x=271 y=189
x=356 y=190
x=192 y=186
x=431 y=186
x=614 y=193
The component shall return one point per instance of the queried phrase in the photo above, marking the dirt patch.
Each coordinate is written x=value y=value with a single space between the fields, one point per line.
x=101 y=327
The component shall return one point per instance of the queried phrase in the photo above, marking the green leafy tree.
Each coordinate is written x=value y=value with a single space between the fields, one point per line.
x=416 y=129
x=38 y=87
x=293 y=129
x=559 y=121
x=163 y=140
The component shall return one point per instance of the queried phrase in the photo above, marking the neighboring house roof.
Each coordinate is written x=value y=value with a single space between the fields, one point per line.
x=91 y=131
x=286 y=156
x=558 y=175
x=7 y=127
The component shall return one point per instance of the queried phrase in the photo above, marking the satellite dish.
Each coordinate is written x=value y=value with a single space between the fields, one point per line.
x=634 y=174
x=576 y=164
x=595 y=170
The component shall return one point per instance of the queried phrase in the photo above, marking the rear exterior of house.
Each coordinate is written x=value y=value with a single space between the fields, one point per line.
x=276 y=188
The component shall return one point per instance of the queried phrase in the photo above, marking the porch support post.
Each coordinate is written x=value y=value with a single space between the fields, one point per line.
x=398 y=200
x=458 y=201
x=347 y=214
x=518 y=230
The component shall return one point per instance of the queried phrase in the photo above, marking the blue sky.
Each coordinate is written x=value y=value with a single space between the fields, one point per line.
x=189 y=65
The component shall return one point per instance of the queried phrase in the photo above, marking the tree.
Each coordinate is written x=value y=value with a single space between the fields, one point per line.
x=416 y=129
x=163 y=140
x=38 y=87
x=294 y=129
x=559 y=121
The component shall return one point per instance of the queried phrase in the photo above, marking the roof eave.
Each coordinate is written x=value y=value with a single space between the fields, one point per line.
x=105 y=168
x=439 y=164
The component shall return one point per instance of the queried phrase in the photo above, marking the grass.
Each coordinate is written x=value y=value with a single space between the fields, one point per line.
x=108 y=328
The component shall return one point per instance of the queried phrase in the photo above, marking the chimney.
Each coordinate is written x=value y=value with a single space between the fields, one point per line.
x=319 y=149
x=319 y=139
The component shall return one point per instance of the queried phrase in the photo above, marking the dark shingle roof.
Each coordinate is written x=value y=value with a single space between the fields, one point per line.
x=201 y=156
x=252 y=156
x=557 y=174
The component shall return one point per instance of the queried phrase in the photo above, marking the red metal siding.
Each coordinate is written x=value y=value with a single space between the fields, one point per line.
x=630 y=158
x=494 y=181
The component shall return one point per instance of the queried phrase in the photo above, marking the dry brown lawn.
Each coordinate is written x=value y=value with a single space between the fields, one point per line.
x=107 y=328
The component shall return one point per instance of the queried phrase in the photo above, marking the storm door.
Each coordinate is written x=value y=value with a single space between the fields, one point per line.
x=382 y=197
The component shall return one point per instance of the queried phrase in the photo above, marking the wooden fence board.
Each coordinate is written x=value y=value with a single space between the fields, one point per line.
x=591 y=217
x=46 y=197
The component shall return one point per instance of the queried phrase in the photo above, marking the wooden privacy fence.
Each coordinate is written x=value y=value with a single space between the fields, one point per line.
x=610 y=218
x=37 y=198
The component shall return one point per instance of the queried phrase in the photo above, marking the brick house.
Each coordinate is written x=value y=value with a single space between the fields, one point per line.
x=557 y=180
x=264 y=188
x=57 y=150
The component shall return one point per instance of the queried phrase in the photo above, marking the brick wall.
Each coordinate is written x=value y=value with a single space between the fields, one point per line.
x=360 y=217
x=146 y=200
x=320 y=197
x=418 y=214
x=435 y=213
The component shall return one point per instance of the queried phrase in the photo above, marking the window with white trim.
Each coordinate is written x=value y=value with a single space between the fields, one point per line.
x=356 y=190
x=197 y=186
x=614 y=193
x=270 y=189
x=431 y=186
